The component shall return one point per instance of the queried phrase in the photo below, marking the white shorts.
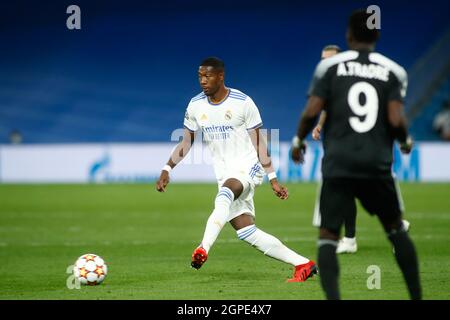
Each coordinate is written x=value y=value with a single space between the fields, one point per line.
x=244 y=204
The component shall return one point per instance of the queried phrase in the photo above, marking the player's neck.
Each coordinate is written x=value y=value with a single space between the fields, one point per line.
x=220 y=95
x=360 y=46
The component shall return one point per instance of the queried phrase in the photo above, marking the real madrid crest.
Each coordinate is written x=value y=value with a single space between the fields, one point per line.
x=228 y=115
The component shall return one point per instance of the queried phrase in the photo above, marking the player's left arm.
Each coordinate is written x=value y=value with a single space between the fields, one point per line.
x=253 y=124
x=308 y=118
x=399 y=125
x=260 y=144
x=396 y=111
x=318 y=128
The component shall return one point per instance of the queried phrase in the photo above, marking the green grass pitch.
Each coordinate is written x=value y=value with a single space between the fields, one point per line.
x=147 y=239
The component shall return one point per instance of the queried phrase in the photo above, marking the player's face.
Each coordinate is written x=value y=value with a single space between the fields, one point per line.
x=349 y=37
x=328 y=53
x=210 y=79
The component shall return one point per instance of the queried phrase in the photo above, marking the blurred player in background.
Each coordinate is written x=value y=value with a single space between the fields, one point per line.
x=362 y=92
x=348 y=243
x=327 y=52
x=230 y=123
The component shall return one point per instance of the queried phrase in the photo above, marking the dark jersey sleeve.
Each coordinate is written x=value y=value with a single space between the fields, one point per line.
x=397 y=87
x=320 y=84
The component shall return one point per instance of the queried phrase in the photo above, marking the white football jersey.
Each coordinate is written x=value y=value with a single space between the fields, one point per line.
x=224 y=127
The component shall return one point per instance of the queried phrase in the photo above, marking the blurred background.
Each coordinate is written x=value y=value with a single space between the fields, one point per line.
x=100 y=104
x=89 y=117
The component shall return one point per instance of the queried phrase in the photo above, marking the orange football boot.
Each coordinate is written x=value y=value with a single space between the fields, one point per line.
x=304 y=271
x=199 y=257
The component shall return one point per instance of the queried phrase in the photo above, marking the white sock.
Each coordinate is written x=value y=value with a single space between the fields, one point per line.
x=218 y=217
x=270 y=245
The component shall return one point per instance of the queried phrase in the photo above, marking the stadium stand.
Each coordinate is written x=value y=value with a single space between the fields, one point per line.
x=429 y=88
x=128 y=75
x=422 y=126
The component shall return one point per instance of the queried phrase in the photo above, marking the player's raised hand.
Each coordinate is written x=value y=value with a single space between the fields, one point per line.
x=163 y=181
x=316 y=132
x=280 y=191
x=407 y=146
x=298 y=153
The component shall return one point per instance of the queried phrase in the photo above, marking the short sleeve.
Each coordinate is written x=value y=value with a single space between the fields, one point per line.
x=398 y=87
x=320 y=85
x=252 y=116
x=189 y=120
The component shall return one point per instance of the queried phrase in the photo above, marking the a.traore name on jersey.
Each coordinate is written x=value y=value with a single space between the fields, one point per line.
x=369 y=71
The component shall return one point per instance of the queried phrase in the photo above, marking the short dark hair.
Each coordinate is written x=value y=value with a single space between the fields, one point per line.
x=214 y=62
x=357 y=24
x=332 y=47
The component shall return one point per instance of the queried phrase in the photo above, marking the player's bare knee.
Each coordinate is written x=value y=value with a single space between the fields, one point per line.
x=234 y=185
x=242 y=221
x=328 y=234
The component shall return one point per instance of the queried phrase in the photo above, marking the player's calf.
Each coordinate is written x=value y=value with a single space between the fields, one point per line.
x=328 y=263
x=218 y=217
x=406 y=256
x=274 y=248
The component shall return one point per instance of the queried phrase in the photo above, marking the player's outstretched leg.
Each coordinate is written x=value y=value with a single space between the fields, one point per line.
x=272 y=247
x=215 y=223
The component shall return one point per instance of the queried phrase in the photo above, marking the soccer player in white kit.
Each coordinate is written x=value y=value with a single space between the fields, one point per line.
x=230 y=121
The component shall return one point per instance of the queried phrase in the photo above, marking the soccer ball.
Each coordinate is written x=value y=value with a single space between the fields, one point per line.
x=90 y=269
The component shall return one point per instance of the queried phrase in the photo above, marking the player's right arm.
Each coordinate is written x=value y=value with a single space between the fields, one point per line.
x=181 y=150
x=318 y=128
